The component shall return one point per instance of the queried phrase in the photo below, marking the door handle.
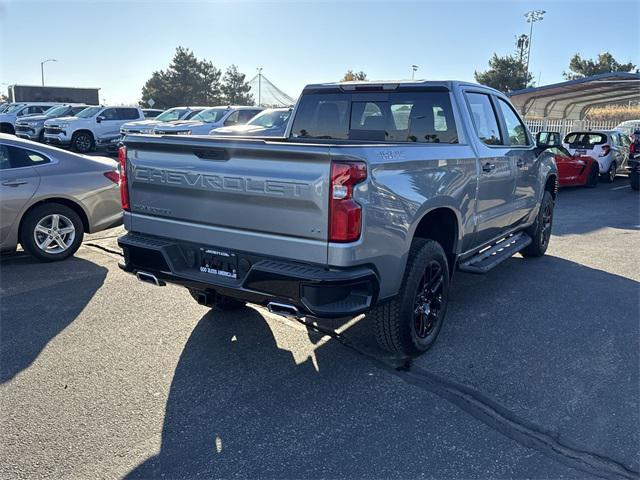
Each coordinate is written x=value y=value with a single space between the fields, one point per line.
x=520 y=163
x=488 y=167
x=13 y=183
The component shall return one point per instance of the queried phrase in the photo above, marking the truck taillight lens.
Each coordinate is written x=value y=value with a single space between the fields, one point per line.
x=345 y=214
x=605 y=150
x=124 y=190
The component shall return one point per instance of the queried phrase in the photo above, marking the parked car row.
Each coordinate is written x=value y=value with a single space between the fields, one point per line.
x=584 y=157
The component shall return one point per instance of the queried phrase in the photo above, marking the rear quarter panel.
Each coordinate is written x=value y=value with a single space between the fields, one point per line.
x=405 y=182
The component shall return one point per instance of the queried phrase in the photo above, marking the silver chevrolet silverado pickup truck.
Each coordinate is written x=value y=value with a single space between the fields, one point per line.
x=376 y=194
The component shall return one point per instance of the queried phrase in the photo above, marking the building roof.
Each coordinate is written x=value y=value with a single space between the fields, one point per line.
x=571 y=99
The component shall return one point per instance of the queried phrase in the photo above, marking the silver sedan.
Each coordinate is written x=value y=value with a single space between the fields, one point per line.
x=50 y=197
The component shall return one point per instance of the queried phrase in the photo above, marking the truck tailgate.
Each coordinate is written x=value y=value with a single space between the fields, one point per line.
x=231 y=193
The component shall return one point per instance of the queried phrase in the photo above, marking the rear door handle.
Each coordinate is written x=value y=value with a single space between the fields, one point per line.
x=13 y=183
x=488 y=167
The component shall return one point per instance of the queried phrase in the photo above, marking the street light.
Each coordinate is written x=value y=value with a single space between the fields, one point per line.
x=42 y=67
x=532 y=16
x=414 y=68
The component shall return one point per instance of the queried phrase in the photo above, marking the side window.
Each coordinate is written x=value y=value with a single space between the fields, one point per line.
x=245 y=115
x=233 y=118
x=127 y=114
x=110 y=114
x=17 y=157
x=484 y=118
x=515 y=128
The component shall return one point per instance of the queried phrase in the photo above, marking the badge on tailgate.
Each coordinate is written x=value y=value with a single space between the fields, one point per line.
x=217 y=262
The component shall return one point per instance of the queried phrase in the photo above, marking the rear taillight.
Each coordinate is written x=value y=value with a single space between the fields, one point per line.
x=113 y=176
x=345 y=214
x=605 y=151
x=124 y=190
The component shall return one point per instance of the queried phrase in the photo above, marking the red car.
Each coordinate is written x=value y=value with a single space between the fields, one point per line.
x=573 y=170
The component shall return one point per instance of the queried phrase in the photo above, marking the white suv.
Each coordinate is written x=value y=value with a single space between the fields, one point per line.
x=92 y=127
x=609 y=148
x=18 y=110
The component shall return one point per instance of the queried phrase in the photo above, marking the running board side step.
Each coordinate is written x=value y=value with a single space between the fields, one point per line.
x=492 y=256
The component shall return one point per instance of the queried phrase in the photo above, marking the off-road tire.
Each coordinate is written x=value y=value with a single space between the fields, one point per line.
x=394 y=321
x=82 y=142
x=538 y=232
x=31 y=220
x=634 y=178
x=222 y=303
x=594 y=175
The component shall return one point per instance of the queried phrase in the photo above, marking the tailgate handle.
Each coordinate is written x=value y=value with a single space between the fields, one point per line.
x=211 y=153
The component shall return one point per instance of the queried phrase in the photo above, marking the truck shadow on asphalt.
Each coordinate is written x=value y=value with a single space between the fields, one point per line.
x=31 y=317
x=241 y=404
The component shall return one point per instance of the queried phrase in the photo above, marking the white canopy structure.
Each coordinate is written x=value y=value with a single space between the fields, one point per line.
x=266 y=94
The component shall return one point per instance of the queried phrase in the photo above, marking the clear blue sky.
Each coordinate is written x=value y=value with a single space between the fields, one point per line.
x=116 y=45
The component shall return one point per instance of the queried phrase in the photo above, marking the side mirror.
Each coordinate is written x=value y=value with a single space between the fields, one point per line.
x=548 y=139
x=99 y=118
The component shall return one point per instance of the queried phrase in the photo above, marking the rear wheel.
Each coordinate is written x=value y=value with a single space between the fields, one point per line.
x=634 y=177
x=594 y=174
x=215 y=301
x=610 y=176
x=540 y=231
x=51 y=232
x=410 y=323
x=82 y=142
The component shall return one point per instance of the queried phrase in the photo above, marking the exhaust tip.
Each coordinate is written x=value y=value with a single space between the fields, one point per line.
x=284 y=310
x=149 y=278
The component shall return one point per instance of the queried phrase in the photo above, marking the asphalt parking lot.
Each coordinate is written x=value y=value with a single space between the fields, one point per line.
x=535 y=373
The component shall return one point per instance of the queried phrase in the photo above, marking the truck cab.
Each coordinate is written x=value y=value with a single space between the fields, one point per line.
x=16 y=111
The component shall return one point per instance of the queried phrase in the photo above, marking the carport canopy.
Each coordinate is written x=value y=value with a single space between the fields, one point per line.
x=571 y=100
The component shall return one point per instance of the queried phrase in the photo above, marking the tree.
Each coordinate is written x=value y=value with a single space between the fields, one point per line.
x=505 y=74
x=187 y=81
x=3 y=98
x=235 y=91
x=584 y=67
x=350 y=76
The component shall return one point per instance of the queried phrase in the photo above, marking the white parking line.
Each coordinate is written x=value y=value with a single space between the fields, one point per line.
x=620 y=188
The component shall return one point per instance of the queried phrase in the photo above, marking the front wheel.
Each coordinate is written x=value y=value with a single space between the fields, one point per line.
x=82 y=142
x=610 y=176
x=410 y=323
x=540 y=231
x=51 y=232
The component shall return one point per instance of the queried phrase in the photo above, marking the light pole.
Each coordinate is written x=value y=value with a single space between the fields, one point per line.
x=42 y=67
x=413 y=71
x=532 y=16
x=259 y=86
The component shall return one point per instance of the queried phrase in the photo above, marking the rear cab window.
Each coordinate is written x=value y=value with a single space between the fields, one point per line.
x=397 y=117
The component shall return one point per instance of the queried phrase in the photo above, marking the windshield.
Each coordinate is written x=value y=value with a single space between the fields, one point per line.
x=191 y=114
x=58 y=111
x=211 y=115
x=14 y=107
x=89 y=112
x=171 y=114
x=270 y=118
x=4 y=107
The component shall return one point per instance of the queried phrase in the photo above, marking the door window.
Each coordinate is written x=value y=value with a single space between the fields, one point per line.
x=110 y=114
x=17 y=157
x=232 y=119
x=127 y=114
x=484 y=118
x=245 y=115
x=515 y=128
